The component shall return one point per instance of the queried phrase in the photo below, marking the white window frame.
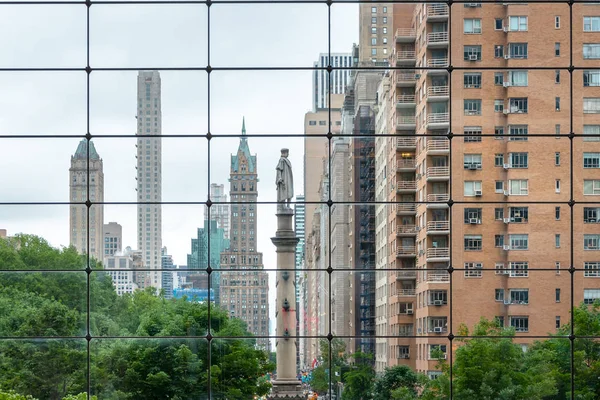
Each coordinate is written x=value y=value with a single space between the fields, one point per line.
x=518 y=160
x=591 y=160
x=474 y=185
x=591 y=51
x=472 y=270
x=470 y=242
x=591 y=24
x=518 y=269
x=520 y=323
x=517 y=23
x=591 y=242
x=591 y=77
x=591 y=269
x=591 y=295
x=518 y=241
x=519 y=296
x=470 y=159
x=472 y=26
x=592 y=186
x=523 y=187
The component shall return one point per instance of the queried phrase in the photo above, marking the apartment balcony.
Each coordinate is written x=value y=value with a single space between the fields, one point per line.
x=405 y=35
x=406 y=252
x=438 y=174
x=406 y=122
x=402 y=318
x=438 y=227
x=405 y=57
x=438 y=93
x=406 y=230
x=437 y=147
x=438 y=200
x=437 y=40
x=406 y=209
x=437 y=66
x=405 y=78
x=406 y=274
x=438 y=120
x=406 y=143
x=406 y=292
x=406 y=187
x=405 y=101
x=436 y=254
x=437 y=12
x=437 y=277
x=406 y=164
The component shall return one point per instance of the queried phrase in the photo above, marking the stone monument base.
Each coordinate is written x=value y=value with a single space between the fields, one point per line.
x=288 y=389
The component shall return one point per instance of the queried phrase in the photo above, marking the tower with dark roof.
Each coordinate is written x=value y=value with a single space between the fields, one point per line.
x=79 y=183
x=245 y=291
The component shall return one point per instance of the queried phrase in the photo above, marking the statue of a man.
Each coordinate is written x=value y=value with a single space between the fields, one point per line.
x=284 y=180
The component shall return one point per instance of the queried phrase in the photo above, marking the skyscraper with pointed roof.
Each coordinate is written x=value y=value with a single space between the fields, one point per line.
x=78 y=192
x=245 y=291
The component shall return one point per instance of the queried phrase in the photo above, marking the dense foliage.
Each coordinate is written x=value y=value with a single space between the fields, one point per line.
x=53 y=305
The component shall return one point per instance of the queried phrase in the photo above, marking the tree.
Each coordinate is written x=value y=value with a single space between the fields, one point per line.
x=359 y=380
x=399 y=379
x=322 y=378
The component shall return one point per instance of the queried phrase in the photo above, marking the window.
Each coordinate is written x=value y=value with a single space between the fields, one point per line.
x=557 y=130
x=473 y=242
x=374 y=10
x=591 y=77
x=472 y=133
x=557 y=22
x=591 y=215
x=373 y=41
x=519 y=242
x=557 y=267
x=373 y=30
x=499 y=320
x=498 y=78
x=557 y=159
x=473 y=188
x=521 y=324
x=518 y=78
x=591 y=24
x=518 y=187
x=498 y=24
x=557 y=103
x=591 y=51
x=322 y=123
x=499 y=187
x=518 y=105
x=518 y=160
x=557 y=76
x=498 y=214
x=472 y=26
x=498 y=106
x=591 y=269
x=473 y=270
x=557 y=322
x=374 y=20
x=434 y=348
x=472 y=80
x=517 y=50
x=519 y=296
x=557 y=213
x=591 y=187
x=591 y=105
x=472 y=106
x=591 y=130
x=557 y=49
x=557 y=295
x=499 y=160
x=384 y=30
x=384 y=40
x=499 y=296
x=472 y=215
x=472 y=161
x=517 y=23
x=385 y=20
x=557 y=240
x=590 y=296
x=591 y=242
x=519 y=269
x=472 y=53
x=498 y=240
x=384 y=10
x=499 y=132
x=498 y=51
x=373 y=52
x=591 y=160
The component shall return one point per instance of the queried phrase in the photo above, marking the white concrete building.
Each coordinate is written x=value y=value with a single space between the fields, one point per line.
x=123 y=279
x=113 y=238
x=340 y=78
x=218 y=212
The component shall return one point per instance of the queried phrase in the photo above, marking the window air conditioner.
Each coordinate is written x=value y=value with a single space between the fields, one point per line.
x=472 y=57
x=506 y=166
x=437 y=329
x=506 y=220
x=437 y=302
x=506 y=302
x=405 y=356
x=505 y=29
x=506 y=247
x=507 y=56
x=506 y=192
x=478 y=266
x=473 y=167
x=473 y=221
x=478 y=193
x=506 y=84
x=471 y=5
x=591 y=220
x=409 y=312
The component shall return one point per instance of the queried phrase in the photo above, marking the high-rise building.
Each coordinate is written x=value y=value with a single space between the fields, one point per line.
x=245 y=290
x=498 y=231
x=198 y=258
x=3 y=233
x=78 y=192
x=149 y=173
x=123 y=279
x=113 y=238
x=167 y=273
x=337 y=80
x=299 y=227
x=219 y=212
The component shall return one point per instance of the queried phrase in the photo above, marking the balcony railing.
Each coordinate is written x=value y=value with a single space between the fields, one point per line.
x=406 y=207
x=406 y=292
x=405 y=55
x=406 y=32
x=407 y=120
x=437 y=37
x=437 y=10
x=439 y=252
x=411 y=274
x=438 y=118
x=407 y=163
x=437 y=62
x=438 y=145
x=407 y=229
x=438 y=197
x=437 y=172
x=437 y=277
x=438 y=226
x=433 y=91
x=406 y=77
x=407 y=185
x=406 y=142
x=405 y=98
x=405 y=250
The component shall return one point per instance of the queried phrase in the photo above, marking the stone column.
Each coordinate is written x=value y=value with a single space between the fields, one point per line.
x=286 y=385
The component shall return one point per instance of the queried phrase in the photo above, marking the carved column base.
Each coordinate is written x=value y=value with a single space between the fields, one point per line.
x=286 y=389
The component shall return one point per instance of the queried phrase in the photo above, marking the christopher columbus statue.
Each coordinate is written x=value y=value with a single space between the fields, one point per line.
x=284 y=180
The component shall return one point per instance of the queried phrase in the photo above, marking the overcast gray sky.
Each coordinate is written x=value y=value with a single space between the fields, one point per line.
x=146 y=36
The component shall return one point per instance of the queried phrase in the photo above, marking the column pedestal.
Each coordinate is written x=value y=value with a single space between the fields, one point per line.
x=286 y=386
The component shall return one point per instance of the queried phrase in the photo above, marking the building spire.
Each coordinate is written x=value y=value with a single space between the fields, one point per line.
x=243 y=126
